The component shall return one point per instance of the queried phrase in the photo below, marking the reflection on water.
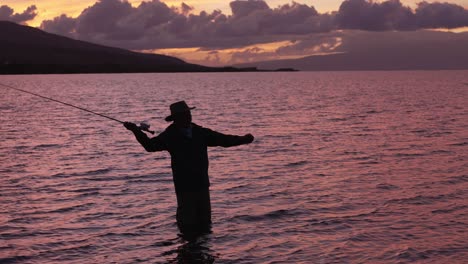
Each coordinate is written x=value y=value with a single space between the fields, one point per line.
x=195 y=248
x=348 y=167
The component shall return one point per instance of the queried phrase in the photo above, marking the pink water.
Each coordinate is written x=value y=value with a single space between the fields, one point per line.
x=347 y=167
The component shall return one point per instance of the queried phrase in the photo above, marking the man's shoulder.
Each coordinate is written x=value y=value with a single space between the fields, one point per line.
x=169 y=130
x=201 y=128
x=172 y=129
x=197 y=126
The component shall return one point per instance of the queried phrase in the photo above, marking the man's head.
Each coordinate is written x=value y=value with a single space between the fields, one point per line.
x=180 y=114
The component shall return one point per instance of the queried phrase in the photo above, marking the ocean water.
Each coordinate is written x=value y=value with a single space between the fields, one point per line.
x=347 y=167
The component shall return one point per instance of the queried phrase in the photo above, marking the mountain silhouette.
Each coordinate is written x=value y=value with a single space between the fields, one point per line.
x=392 y=50
x=28 y=50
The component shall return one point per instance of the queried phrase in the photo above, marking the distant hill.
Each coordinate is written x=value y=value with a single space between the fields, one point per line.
x=26 y=50
x=409 y=50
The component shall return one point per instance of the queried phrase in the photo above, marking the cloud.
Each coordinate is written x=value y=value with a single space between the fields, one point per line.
x=245 y=8
x=250 y=54
x=316 y=44
x=255 y=17
x=366 y=15
x=441 y=15
x=312 y=45
x=7 y=13
x=155 y=25
x=62 y=25
x=392 y=15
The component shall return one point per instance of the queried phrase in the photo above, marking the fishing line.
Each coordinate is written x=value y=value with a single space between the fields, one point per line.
x=144 y=127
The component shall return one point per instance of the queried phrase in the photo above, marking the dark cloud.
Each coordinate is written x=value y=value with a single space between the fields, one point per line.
x=62 y=25
x=106 y=19
x=7 y=13
x=367 y=15
x=153 y=24
x=392 y=15
x=441 y=15
x=245 y=8
x=186 y=9
x=256 y=18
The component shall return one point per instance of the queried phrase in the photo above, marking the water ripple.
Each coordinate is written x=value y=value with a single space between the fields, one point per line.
x=347 y=167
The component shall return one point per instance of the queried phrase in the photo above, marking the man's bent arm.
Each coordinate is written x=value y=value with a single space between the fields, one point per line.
x=150 y=144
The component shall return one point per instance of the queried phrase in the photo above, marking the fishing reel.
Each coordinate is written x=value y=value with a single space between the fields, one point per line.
x=145 y=127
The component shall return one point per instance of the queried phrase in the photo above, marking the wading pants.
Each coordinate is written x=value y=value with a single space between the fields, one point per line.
x=194 y=211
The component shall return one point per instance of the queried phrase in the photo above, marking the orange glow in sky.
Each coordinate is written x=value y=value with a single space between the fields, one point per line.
x=222 y=56
x=264 y=51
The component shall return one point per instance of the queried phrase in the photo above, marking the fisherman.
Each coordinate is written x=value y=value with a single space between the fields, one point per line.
x=187 y=144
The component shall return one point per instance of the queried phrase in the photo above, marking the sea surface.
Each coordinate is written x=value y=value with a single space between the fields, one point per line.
x=346 y=167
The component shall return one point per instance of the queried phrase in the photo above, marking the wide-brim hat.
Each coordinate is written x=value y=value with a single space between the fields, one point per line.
x=177 y=108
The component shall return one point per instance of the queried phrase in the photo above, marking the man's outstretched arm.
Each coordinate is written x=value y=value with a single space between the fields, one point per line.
x=150 y=144
x=219 y=139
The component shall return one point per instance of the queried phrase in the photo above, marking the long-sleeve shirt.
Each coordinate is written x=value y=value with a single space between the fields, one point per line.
x=189 y=154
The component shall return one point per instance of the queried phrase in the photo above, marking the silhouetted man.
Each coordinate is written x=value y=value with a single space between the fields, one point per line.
x=187 y=144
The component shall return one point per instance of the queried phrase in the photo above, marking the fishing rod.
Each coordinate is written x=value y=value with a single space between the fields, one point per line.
x=143 y=126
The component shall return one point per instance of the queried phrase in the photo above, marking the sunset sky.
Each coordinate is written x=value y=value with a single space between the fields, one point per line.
x=229 y=32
